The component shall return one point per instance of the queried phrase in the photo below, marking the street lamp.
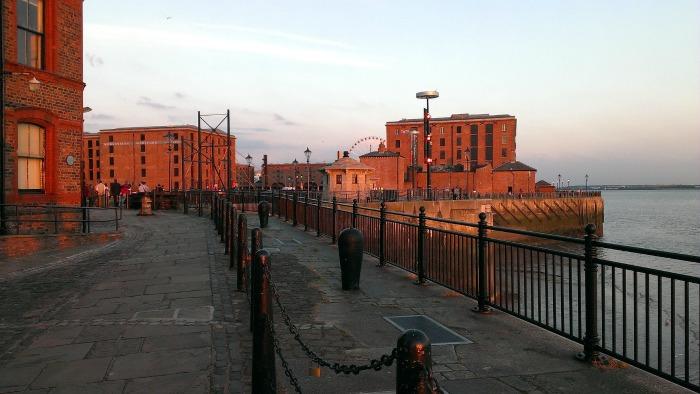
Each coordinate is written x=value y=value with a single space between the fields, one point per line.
x=559 y=181
x=586 y=182
x=568 y=184
x=170 y=136
x=296 y=177
x=249 y=160
x=427 y=95
x=307 y=153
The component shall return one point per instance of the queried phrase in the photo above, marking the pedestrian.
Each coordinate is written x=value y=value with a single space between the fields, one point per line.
x=101 y=190
x=143 y=187
x=115 y=190
x=124 y=193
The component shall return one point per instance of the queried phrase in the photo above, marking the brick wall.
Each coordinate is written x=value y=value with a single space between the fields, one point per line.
x=57 y=106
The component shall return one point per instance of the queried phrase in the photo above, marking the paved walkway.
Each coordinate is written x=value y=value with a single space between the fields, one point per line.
x=157 y=312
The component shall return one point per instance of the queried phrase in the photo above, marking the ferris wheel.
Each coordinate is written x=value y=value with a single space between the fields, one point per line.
x=365 y=145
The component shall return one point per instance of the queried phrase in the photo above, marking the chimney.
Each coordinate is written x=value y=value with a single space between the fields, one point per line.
x=338 y=155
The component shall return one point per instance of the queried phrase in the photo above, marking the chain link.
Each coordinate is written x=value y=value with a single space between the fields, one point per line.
x=375 y=364
x=287 y=370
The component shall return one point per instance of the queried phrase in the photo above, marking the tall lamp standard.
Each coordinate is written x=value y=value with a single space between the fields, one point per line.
x=586 y=182
x=559 y=181
x=307 y=153
x=170 y=137
x=568 y=184
x=249 y=160
x=427 y=95
x=296 y=174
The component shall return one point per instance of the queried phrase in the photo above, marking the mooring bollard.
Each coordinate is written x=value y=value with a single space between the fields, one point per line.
x=256 y=244
x=413 y=363
x=263 y=213
x=264 y=377
x=350 y=248
x=242 y=251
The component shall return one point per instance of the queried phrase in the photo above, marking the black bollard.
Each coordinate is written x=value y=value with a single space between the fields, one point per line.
x=256 y=244
x=264 y=377
x=242 y=251
x=350 y=247
x=263 y=213
x=413 y=363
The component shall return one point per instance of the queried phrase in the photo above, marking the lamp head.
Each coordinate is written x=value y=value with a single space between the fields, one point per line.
x=428 y=94
x=249 y=159
x=307 y=153
x=34 y=84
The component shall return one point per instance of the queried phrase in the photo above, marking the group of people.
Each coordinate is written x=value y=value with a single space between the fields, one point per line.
x=101 y=194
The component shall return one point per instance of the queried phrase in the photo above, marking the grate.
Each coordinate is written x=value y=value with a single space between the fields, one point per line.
x=438 y=334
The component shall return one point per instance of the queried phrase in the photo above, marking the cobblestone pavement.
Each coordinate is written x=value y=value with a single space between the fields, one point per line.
x=151 y=313
x=506 y=355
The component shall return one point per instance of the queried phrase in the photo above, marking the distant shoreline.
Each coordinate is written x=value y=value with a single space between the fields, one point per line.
x=634 y=187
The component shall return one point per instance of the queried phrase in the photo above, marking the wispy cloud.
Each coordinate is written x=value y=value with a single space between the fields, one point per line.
x=167 y=37
x=147 y=102
x=283 y=120
x=275 y=33
x=180 y=95
x=94 y=60
x=252 y=130
x=102 y=117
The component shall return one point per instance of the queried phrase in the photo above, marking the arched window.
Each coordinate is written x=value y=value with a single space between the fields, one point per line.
x=30 y=157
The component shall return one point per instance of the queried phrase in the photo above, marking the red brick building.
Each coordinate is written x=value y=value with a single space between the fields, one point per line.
x=245 y=176
x=158 y=155
x=43 y=125
x=295 y=175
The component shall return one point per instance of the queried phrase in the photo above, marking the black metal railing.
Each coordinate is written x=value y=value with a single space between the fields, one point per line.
x=645 y=316
x=34 y=218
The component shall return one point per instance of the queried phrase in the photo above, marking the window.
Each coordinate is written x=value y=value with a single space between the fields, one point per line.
x=90 y=144
x=459 y=141
x=354 y=179
x=442 y=130
x=143 y=137
x=177 y=185
x=489 y=142
x=175 y=147
x=111 y=138
x=30 y=32
x=176 y=159
x=503 y=127
x=111 y=173
x=98 y=175
x=396 y=132
x=397 y=143
x=176 y=172
x=111 y=161
x=459 y=154
x=442 y=154
x=143 y=159
x=30 y=157
x=89 y=153
x=442 y=142
x=143 y=172
x=143 y=148
x=175 y=136
x=111 y=149
x=90 y=164
x=504 y=152
x=459 y=129
x=504 y=139
x=91 y=176
x=339 y=179
x=98 y=164
x=97 y=152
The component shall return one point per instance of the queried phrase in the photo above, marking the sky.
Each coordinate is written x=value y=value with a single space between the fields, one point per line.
x=605 y=88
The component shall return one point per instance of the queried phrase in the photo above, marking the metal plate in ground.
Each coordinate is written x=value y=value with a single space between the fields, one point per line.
x=438 y=334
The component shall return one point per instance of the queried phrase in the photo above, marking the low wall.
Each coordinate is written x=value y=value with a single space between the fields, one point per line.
x=24 y=245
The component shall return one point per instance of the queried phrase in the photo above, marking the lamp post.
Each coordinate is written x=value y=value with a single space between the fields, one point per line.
x=568 y=184
x=414 y=157
x=427 y=95
x=586 y=182
x=170 y=136
x=559 y=181
x=249 y=160
x=296 y=176
x=307 y=153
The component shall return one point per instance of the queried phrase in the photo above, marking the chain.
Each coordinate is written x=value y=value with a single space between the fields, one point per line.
x=434 y=385
x=287 y=370
x=375 y=364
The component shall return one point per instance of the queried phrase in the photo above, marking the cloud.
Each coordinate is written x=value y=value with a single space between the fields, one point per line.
x=180 y=95
x=147 y=102
x=102 y=117
x=283 y=120
x=201 y=41
x=275 y=33
x=94 y=60
x=252 y=130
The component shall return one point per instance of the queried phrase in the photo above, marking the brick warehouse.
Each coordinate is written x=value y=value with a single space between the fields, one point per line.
x=295 y=175
x=135 y=154
x=42 y=41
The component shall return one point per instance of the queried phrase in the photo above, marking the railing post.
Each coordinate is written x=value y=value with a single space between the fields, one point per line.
x=84 y=218
x=421 y=247
x=233 y=255
x=211 y=207
x=318 y=215
x=242 y=251
x=185 y=208
x=306 y=212
x=482 y=297
x=55 y=221
x=591 y=339
x=222 y=218
x=88 y=222
x=354 y=213
x=382 y=234
x=227 y=217
x=333 y=215
x=263 y=348
x=414 y=363
x=294 y=209
x=116 y=219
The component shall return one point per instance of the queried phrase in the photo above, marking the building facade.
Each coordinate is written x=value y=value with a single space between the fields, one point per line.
x=42 y=101
x=158 y=155
x=346 y=178
x=297 y=176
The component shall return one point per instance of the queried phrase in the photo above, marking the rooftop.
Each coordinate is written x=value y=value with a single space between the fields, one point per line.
x=381 y=154
x=514 y=166
x=157 y=128
x=455 y=117
x=347 y=163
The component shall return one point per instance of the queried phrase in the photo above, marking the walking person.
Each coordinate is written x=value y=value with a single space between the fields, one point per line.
x=101 y=190
x=115 y=190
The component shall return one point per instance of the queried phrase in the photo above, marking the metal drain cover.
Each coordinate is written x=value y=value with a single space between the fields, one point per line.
x=438 y=334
